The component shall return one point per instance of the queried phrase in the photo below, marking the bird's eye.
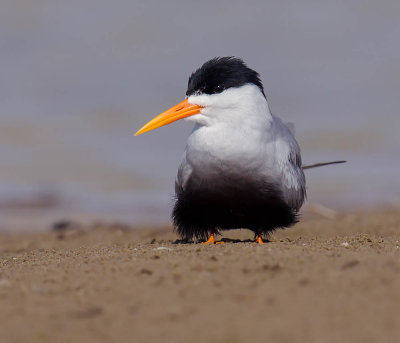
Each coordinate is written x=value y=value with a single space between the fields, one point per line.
x=220 y=87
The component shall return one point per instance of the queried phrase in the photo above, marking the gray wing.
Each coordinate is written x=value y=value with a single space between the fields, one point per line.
x=184 y=172
x=289 y=161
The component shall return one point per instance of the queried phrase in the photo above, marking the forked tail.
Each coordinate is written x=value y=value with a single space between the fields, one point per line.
x=316 y=165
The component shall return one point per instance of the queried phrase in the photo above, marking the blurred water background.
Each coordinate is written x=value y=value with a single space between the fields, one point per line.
x=78 y=78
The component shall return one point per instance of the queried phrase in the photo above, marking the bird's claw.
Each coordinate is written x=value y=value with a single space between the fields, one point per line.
x=212 y=240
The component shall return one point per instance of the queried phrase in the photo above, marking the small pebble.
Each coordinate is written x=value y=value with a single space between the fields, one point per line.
x=163 y=248
x=146 y=271
x=350 y=264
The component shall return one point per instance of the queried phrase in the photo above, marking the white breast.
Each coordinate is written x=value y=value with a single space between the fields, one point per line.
x=236 y=133
x=231 y=133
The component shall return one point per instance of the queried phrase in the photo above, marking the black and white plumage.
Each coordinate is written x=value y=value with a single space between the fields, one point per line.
x=242 y=165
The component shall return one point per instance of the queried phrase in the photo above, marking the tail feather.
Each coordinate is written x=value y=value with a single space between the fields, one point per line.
x=321 y=164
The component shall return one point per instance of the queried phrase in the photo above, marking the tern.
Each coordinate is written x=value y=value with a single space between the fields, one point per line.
x=242 y=165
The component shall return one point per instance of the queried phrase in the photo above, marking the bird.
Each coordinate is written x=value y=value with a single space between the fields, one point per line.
x=242 y=166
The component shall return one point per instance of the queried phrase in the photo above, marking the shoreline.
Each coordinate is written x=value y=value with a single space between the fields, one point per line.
x=37 y=219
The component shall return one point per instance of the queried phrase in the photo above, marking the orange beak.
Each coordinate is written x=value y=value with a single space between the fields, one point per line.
x=180 y=111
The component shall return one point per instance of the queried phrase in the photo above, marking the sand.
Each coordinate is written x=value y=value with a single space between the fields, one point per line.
x=324 y=280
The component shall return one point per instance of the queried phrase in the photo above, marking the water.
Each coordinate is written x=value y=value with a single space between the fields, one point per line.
x=79 y=78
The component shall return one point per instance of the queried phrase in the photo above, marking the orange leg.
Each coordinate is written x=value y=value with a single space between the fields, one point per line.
x=211 y=240
x=259 y=239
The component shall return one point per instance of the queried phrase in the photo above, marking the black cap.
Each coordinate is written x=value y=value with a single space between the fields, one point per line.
x=221 y=73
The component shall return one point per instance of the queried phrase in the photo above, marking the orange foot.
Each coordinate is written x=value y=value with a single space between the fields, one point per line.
x=259 y=239
x=212 y=240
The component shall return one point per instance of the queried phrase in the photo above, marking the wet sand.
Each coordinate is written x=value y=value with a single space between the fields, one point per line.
x=324 y=280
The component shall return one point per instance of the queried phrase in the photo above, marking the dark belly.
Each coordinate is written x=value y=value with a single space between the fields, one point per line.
x=229 y=203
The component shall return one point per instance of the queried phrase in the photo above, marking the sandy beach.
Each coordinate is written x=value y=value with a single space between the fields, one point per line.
x=324 y=280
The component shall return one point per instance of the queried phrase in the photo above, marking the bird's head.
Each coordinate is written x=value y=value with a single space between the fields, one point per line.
x=223 y=88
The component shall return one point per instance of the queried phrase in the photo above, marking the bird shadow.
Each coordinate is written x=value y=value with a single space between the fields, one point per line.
x=223 y=240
